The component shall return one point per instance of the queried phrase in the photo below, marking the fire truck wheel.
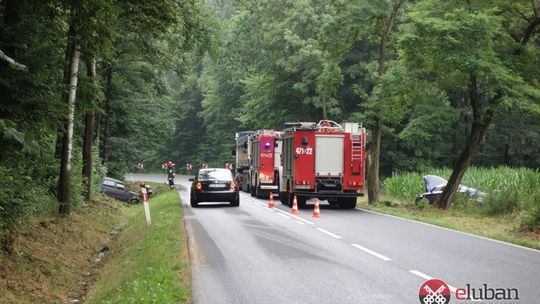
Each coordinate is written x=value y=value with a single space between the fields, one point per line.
x=283 y=198
x=286 y=198
x=301 y=202
x=347 y=202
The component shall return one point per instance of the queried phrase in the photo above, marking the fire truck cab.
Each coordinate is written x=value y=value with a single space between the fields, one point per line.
x=323 y=160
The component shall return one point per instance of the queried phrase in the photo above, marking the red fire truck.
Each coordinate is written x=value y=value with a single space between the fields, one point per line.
x=323 y=160
x=262 y=149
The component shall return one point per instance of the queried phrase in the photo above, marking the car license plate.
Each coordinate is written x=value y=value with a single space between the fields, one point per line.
x=216 y=185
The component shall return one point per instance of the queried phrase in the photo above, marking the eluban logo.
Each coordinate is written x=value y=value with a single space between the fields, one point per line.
x=486 y=293
x=434 y=291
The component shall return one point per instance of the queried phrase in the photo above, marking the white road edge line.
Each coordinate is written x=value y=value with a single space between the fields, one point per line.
x=329 y=233
x=285 y=216
x=426 y=277
x=444 y=228
x=373 y=253
x=298 y=222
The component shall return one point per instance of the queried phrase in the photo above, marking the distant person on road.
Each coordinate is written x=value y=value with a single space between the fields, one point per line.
x=170 y=173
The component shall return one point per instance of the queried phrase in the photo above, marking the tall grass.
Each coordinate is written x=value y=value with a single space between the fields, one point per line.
x=406 y=186
x=509 y=190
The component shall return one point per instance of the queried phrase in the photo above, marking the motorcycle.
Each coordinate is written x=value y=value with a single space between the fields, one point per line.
x=170 y=177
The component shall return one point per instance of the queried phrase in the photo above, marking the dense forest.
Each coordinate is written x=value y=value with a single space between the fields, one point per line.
x=93 y=87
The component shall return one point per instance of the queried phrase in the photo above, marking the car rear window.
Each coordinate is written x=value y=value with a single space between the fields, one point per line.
x=215 y=175
x=109 y=183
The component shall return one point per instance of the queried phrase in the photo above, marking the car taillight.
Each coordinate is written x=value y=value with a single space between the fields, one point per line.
x=233 y=185
x=198 y=186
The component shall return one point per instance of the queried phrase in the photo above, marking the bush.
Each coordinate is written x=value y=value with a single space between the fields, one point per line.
x=21 y=195
x=506 y=201
x=529 y=216
x=29 y=185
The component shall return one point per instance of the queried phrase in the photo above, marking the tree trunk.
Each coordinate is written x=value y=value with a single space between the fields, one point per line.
x=373 y=164
x=97 y=127
x=481 y=121
x=375 y=150
x=11 y=16
x=88 y=137
x=507 y=159
x=71 y=78
x=107 y=123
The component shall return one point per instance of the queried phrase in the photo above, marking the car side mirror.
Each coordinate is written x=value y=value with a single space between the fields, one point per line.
x=191 y=179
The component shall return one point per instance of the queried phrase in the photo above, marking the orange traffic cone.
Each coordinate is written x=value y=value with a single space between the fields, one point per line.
x=271 y=201
x=294 y=209
x=316 y=210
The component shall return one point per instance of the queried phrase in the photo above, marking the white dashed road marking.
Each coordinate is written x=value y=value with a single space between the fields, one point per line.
x=426 y=277
x=329 y=233
x=373 y=253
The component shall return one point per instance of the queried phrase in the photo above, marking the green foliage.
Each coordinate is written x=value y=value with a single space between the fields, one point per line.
x=10 y=136
x=144 y=44
x=27 y=187
x=502 y=202
x=529 y=216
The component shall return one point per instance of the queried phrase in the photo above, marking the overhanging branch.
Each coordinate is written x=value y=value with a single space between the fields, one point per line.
x=14 y=64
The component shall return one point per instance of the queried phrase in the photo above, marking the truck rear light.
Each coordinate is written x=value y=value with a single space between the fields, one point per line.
x=354 y=184
x=302 y=184
x=198 y=186
x=265 y=179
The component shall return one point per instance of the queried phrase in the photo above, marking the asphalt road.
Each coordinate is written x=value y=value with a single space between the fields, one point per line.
x=254 y=254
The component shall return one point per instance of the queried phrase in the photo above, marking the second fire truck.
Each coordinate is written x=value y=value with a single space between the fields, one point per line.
x=323 y=160
x=258 y=157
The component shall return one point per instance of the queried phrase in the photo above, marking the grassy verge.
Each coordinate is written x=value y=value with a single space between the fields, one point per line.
x=149 y=264
x=473 y=220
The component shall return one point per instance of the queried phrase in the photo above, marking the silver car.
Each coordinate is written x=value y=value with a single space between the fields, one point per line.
x=434 y=186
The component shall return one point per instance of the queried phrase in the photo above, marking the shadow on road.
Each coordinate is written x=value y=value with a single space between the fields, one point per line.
x=212 y=205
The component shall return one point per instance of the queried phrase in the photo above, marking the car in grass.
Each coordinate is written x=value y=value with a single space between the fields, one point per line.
x=214 y=185
x=434 y=186
x=116 y=189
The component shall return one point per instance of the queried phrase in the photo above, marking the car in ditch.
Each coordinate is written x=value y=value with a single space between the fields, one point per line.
x=434 y=186
x=116 y=189
x=214 y=185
